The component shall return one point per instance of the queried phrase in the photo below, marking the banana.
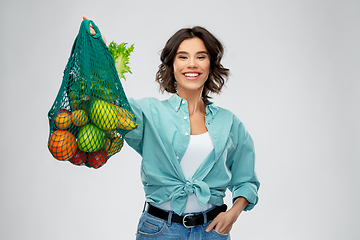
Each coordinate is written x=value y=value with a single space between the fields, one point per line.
x=113 y=146
x=126 y=123
x=126 y=119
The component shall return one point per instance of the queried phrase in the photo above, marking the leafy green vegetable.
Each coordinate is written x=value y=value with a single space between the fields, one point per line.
x=120 y=54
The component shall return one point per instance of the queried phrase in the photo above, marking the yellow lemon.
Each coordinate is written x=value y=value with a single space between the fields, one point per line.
x=103 y=114
x=79 y=118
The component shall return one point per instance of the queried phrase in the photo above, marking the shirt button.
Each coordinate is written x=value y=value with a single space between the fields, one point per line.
x=177 y=157
x=185 y=117
x=183 y=102
x=215 y=138
x=186 y=134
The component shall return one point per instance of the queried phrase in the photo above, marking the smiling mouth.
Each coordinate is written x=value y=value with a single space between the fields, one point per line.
x=191 y=74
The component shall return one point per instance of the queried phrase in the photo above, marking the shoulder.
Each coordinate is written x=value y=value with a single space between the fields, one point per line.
x=224 y=114
x=144 y=102
x=228 y=122
x=148 y=105
x=172 y=102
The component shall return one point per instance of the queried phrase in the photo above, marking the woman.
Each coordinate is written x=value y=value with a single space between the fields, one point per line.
x=192 y=150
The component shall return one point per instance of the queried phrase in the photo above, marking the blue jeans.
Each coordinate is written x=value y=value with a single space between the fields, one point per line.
x=153 y=228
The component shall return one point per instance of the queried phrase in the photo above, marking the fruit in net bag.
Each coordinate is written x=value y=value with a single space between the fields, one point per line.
x=103 y=114
x=79 y=157
x=79 y=117
x=90 y=138
x=62 y=144
x=90 y=101
x=63 y=120
x=97 y=159
x=113 y=143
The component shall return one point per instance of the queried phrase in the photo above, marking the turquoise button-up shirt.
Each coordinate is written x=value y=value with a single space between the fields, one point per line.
x=162 y=137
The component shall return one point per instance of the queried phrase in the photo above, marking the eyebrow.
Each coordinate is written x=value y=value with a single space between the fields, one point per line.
x=184 y=52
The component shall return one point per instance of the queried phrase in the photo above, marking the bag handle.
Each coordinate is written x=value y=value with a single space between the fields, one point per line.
x=86 y=23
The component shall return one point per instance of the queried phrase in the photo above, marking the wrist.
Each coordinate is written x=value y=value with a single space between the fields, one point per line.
x=239 y=204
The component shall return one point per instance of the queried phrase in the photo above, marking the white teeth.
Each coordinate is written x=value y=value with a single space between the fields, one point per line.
x=191 y=74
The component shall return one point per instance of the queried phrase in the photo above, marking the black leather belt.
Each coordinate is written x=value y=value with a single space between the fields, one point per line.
x=188 y=220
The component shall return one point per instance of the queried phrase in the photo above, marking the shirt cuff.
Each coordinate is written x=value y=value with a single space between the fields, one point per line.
x=249 y=192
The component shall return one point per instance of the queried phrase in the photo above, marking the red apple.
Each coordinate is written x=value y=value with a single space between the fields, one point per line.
x=98 y=158
x=79 y=158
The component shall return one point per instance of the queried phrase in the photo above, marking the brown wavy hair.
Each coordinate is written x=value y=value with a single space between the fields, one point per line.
x=218 y=74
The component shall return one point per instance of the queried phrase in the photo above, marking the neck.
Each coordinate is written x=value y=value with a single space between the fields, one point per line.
x=195 y=102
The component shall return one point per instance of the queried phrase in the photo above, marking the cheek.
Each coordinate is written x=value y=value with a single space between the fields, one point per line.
x=175 y=72
x=177 y=67
x=206 y=65
x=206 y=68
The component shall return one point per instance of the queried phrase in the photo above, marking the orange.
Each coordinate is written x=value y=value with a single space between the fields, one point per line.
x=62 y=144
x=63 y=120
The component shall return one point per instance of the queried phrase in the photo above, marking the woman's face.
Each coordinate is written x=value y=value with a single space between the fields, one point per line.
x=191 y=66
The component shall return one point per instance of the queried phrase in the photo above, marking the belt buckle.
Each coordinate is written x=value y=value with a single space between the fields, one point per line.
x=184 y=220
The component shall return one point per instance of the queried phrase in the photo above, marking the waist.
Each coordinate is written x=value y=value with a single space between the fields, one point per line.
x=192 y=205
x=187 y=220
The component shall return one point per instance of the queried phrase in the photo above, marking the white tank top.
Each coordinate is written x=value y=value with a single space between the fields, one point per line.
x=199 y=148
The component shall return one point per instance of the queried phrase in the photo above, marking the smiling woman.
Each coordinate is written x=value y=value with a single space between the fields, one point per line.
x=192 y=150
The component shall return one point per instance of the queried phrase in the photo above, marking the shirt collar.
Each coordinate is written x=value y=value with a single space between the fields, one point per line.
x=213 y=109
x=176 y=103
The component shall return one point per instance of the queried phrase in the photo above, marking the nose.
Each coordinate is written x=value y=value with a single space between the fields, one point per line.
x=192 y=63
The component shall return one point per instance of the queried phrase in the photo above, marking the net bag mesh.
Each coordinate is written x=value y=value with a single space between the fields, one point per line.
x=91 y=113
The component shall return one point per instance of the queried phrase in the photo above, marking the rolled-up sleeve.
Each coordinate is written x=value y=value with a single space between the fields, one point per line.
x=134 y=138
x=244 y=182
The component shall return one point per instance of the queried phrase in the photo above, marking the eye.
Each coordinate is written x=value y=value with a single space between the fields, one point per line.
x=182 y=57
x=201 y=57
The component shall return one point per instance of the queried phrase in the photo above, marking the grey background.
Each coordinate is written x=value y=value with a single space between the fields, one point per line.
x=294 y=84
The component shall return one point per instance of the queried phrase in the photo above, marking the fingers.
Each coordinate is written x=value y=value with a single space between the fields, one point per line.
x=223 y=229
x=211 y=226
x=214 y=223
x=219 y=227
x=222 y=224
x=92 y=30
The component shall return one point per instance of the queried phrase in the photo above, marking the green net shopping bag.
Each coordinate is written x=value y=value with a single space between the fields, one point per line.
x=91 y=113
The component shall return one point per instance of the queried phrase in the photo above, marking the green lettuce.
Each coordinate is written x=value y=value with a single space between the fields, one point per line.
x=121 y=54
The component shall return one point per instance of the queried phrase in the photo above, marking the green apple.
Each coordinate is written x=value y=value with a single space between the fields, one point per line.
x=90 y=138
x=103 y=114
